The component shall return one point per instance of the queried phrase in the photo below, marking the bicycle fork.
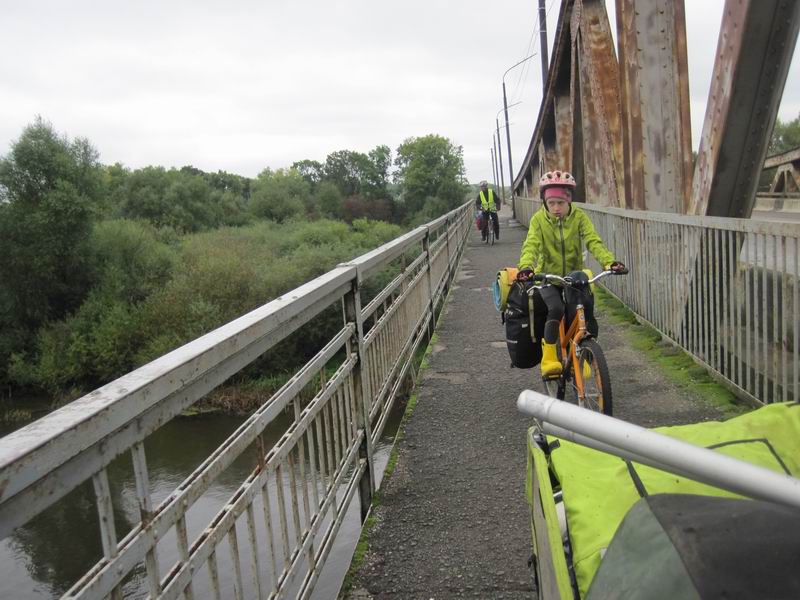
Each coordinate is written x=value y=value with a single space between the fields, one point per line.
x=569 y=342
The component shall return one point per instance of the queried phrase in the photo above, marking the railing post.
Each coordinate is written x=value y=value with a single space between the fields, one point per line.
x=426 y=248
x=352 y=314
x=446 y=288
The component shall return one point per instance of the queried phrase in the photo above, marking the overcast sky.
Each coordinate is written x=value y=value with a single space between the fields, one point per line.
x=241 y=86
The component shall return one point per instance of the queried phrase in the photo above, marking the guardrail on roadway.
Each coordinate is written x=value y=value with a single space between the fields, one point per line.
x=725 y=290
x=280 y=524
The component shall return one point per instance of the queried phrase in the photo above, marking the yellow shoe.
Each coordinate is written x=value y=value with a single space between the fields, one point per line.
x=551 y=366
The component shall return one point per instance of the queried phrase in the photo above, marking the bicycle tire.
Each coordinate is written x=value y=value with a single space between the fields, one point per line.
x=597 y=387
x=491 y=234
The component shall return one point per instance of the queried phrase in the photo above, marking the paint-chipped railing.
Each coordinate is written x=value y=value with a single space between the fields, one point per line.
x=725 y=290
x=273 y=534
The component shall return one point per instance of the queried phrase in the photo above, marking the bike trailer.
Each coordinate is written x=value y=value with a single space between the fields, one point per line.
x=605 y=526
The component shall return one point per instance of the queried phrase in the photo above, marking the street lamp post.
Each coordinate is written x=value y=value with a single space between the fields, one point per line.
x=500 y=149
x=543 y=42
x=494 y=164
x=500 y=160
x=508 y=134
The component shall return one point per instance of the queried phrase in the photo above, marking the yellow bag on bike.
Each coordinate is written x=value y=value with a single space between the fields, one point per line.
x=502 y=284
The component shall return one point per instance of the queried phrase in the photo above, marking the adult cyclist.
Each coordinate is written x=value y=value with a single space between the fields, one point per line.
x=556 y=236
x=485 y=202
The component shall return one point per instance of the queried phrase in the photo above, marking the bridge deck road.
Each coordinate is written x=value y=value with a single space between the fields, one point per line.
x=452 y=520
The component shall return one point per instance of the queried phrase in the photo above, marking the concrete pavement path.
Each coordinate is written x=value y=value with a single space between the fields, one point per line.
x=452 y=521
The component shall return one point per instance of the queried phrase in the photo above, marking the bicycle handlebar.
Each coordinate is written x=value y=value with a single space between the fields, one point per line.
x=548 y=278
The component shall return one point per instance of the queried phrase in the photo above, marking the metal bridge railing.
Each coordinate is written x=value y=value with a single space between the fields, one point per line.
x=725 y=290
x=278 y=527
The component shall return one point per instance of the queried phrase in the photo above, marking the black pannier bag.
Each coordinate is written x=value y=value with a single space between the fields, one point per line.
x=525 y=350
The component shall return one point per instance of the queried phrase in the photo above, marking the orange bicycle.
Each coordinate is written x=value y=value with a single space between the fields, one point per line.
x=584 y=365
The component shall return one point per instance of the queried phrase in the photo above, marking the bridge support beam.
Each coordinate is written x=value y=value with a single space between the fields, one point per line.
x=754 y=52
x=654 y=94
x=596 y=73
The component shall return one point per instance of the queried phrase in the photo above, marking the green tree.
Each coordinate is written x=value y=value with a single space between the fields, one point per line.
x=347 y=170
x=785 y=136
x=179 y=199
x=312 y=171
x=329 y=200
x=376 y=177
x=50 y=191
x=279 y=195
x=429 y=167
x=115 y=178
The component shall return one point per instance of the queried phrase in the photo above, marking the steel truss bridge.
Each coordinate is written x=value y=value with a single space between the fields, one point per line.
x=719 y=284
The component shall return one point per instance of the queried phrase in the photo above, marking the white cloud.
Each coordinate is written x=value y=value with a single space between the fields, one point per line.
x=244 y=85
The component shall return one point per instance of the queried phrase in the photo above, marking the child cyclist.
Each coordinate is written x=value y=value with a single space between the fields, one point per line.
x=556 y=236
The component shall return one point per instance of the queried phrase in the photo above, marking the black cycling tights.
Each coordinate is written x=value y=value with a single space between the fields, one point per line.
x=555 y=311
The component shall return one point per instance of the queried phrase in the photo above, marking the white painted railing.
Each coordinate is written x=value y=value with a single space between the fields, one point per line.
x=725 y=290
x=280 y=523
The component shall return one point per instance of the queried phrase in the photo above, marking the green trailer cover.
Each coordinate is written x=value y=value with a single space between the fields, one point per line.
x=552 y=574
x=599 y=489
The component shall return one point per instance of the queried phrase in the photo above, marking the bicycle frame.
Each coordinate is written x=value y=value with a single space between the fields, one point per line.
x=570 y=337
x=574 y=335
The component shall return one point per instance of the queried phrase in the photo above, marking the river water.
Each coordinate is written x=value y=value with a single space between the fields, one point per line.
x=43 y=558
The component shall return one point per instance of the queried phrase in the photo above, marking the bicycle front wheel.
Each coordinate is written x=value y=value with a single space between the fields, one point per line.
x=596 y=378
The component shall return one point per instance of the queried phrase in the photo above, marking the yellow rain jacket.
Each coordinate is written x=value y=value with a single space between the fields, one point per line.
x=556 y=245
x=488 y=204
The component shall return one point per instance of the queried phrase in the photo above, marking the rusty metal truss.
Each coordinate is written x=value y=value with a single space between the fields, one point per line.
x=621 y=121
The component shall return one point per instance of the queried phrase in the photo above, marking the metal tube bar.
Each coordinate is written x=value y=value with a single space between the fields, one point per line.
x=763 y=308
x=782 y=315
x=749 y=294
x=701 y=464
x=795 y=324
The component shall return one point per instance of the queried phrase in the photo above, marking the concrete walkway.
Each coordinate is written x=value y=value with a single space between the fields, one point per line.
x=452 y=521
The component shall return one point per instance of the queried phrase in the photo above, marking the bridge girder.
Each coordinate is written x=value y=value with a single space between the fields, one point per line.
x=754 y=52
x=624 y=127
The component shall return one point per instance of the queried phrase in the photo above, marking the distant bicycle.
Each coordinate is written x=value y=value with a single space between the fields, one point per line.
x=584 y=364
x=489 y=233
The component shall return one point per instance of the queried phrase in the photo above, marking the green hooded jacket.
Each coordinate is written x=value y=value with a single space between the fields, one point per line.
x=556 y=245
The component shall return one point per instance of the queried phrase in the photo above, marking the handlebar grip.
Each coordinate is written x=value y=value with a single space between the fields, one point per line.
x=623 y=271
x=538 y=277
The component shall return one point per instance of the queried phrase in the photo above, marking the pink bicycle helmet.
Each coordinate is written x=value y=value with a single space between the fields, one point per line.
x=554 y=184
x=552 y=178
